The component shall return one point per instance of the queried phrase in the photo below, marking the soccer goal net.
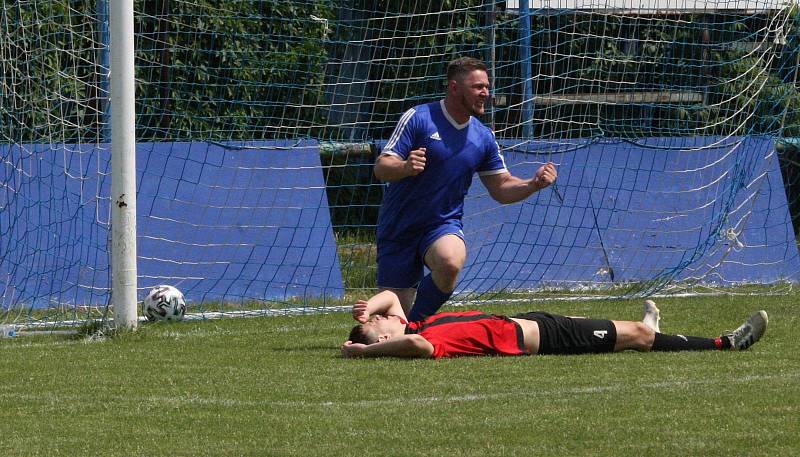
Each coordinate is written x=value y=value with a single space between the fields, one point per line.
x=673 y=125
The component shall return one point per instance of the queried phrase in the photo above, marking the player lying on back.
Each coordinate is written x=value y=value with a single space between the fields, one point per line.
x=384 y=332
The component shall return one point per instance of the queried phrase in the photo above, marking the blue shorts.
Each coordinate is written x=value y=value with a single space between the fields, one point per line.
x=401 y=262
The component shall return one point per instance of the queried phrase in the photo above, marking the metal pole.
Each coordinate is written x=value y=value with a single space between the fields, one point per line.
x=123 y=166
x=525 y=61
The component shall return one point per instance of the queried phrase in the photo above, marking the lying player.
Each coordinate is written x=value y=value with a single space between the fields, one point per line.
x=384 y=332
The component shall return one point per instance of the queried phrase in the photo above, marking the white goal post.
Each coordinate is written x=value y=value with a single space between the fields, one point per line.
x=123 y=164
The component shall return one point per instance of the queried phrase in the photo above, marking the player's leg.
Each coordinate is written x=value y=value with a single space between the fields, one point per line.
x=639 y=336
x=646 y=335
x=445 y=258
x=568 y=335
x=399 y=269
x=633 y=335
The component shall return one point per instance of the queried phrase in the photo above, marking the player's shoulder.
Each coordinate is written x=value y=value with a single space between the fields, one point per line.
x=482 y=128
x=425 y=109
x=420 y=112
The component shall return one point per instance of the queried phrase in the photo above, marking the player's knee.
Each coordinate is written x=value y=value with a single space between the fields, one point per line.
x=449 y=268
x=643 y=336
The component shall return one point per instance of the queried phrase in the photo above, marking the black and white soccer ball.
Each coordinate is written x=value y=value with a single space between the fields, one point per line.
x=164 y=303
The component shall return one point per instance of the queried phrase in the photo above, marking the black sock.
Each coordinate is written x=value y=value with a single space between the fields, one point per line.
x=664 y=342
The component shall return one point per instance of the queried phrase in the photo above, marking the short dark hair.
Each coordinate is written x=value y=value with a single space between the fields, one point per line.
x=357 y=335
x=462 y=66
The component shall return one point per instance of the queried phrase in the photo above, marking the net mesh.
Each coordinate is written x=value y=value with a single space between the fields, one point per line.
x=258 y=123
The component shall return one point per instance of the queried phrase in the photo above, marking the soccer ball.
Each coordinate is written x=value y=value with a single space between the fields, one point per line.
x=164 y=303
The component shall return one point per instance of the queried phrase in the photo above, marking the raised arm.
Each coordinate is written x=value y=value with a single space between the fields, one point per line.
x=384 y=303
x=405 y=346
x=507 y=188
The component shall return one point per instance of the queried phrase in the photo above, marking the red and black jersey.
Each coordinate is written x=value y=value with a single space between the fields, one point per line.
x=470 y=333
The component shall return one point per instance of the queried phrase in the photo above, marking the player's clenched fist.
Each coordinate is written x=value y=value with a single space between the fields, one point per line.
x=545 y=175
x=415 y=163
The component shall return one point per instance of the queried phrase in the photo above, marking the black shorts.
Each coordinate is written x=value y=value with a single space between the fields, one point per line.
x=568 y=335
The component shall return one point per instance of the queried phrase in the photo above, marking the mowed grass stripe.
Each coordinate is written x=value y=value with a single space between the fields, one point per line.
x=544 y=393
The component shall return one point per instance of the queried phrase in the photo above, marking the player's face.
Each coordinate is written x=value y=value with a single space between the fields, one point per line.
x=385 y=325
x=473 y=90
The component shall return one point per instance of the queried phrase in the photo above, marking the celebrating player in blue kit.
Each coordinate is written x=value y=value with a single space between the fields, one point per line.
x=429 y=162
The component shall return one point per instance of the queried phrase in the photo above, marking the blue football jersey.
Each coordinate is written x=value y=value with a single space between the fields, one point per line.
x=454 y=153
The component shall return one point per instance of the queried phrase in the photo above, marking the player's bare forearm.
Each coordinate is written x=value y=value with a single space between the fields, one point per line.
x=407 y=346
x=506 y=188
x=383 y=303
x=391 y=168
x=516 y=189
x=386 y=303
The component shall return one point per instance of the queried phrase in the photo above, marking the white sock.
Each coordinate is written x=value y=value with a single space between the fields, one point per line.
x=651 y=315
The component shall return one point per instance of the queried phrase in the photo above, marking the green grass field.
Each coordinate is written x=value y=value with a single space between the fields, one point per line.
x=277 y=386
